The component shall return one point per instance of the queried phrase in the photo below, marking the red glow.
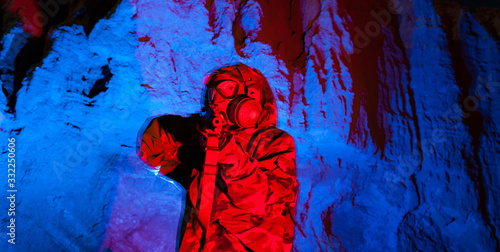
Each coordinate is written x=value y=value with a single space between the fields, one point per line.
x=31 y=17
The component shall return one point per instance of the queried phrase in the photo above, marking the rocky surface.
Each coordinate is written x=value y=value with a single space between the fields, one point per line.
x=392 y=105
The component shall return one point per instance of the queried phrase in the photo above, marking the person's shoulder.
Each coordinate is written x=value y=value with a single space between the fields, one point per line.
x=273 y=131
x=269 y=142
x=273 y=136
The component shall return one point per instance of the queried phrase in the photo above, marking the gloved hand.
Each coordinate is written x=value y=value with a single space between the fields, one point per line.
x=226 y=135
x=227 y=155
x=232 y=157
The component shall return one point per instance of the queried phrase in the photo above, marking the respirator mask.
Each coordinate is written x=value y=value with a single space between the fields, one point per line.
x=234 y=102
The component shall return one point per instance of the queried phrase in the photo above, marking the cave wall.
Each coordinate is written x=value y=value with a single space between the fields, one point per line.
x=391 y=105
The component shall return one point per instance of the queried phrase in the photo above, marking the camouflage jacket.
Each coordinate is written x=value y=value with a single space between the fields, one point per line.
x=256 y=187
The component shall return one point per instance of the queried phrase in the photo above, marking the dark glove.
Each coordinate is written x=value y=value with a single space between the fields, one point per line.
x=226 y=135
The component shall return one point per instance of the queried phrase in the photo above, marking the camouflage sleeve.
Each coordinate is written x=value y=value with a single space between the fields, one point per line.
x=159 y=148
x=265 y=187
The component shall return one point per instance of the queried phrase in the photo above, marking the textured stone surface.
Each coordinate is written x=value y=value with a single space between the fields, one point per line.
x=393 y=106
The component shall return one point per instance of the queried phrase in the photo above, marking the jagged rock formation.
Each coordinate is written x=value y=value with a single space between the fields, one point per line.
x=392 y=105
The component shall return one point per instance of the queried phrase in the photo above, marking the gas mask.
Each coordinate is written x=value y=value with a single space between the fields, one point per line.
x=234 y=102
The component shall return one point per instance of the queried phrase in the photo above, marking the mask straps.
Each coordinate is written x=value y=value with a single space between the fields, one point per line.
x=245 y=77
x=208 y=183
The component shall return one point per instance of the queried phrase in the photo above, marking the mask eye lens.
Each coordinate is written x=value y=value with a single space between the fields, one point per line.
x=228 y=88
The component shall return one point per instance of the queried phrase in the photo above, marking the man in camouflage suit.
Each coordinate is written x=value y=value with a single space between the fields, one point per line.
x=253 y=197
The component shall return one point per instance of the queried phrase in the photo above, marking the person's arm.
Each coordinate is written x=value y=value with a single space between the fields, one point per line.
x=159 y=148
x=264 y=187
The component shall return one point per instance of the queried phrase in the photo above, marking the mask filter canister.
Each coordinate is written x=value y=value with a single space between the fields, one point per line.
x=244 y=112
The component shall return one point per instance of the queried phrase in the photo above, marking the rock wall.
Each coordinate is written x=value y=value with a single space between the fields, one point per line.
x=391 y=104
